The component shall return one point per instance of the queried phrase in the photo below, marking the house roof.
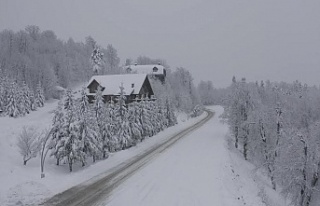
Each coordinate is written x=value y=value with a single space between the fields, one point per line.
x=146 y=69
x=132 y=83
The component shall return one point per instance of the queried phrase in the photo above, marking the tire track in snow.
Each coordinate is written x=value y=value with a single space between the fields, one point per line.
x=97 y=192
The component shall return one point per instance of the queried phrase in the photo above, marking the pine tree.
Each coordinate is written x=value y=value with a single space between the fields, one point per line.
x=111 y=142
x=90 y=139
x=39 y=96
x=134 y=122
x=145 y=118
x=33 y=104
x=123 y=128
x=12 y=106
x=73 y=147
x=25 y=99
x=69 y=102
x=57 y=143
x=100 y=118
x=172 y=120
x=20 y=102
x=2 y=94
x=96 y=60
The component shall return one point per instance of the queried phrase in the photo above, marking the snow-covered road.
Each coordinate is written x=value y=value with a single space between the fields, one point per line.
x=198 y=170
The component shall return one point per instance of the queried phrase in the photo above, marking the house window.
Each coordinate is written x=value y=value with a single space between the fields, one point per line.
x=155 y=69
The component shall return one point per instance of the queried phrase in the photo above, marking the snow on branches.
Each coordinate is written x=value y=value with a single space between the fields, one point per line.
x=96 y=59
x=18 y=99
x=276 y=126
x=82 y=130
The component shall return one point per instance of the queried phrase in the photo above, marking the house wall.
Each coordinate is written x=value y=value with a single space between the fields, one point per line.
x=146 y=88
x=93 y=86
x=145 y=91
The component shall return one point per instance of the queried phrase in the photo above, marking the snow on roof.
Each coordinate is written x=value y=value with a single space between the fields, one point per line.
x=146 y=69
x=132 y=83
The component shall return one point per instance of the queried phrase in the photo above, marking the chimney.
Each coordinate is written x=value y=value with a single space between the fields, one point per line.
x=132 y=85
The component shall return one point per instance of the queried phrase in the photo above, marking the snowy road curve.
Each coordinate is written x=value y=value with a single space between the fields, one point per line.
x=200 y=170
x=97 y=193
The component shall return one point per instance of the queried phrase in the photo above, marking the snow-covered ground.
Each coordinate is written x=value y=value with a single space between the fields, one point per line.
x=199 y=170
x=21 y=185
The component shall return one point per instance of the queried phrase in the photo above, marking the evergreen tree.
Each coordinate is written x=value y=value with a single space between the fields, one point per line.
x=96 y=60
x=57 y=142
x=123 y=128
x=88 y=136
x=2 y=93
x=134 y=122
x=170 y=116
x=111 y=141
x=25 y=99
x=73 y=147
x=100 y=118
x=145 y=118
x=39 y=96
x=12 y=106
x=33 y=104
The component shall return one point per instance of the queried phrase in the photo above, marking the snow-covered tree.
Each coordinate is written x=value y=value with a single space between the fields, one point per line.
x=33 y=103
x=12 y=98
x=99 y=109
x=96 y=60
x=25 y=102
x=123 y=126
x=111 y=142
x=28 y=143
x=57 y=143
x=172 y=120
x=277 y=125
x=39 y=96
x=112 y=60
x=2 y=92
x=69 y=100
x=90 y=139
x=145 y=118
x=134 y=122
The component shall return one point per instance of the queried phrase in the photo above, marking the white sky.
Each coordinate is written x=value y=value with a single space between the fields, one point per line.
x=215 y=39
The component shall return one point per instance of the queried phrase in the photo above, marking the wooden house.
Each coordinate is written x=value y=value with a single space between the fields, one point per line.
x=156 y=71
x=136 y=87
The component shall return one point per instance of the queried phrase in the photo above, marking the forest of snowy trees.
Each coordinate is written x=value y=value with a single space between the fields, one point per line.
x=35 y=62
x=18 y=99
x=81 y=130
x=276 y=126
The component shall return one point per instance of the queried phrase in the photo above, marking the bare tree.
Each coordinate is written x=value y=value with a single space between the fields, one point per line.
x=28 y=143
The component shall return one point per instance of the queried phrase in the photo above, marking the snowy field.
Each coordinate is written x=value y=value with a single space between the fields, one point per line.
x=21 y=185
x=198 y=170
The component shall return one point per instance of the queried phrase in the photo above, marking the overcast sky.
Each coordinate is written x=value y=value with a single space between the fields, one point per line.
x=215 y=39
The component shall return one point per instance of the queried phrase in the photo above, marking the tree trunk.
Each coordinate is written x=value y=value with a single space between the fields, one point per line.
x=70 y=165
x=58 y=161
x=236 y=136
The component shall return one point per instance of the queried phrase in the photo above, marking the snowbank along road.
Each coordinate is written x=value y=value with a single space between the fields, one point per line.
x=96 y=193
